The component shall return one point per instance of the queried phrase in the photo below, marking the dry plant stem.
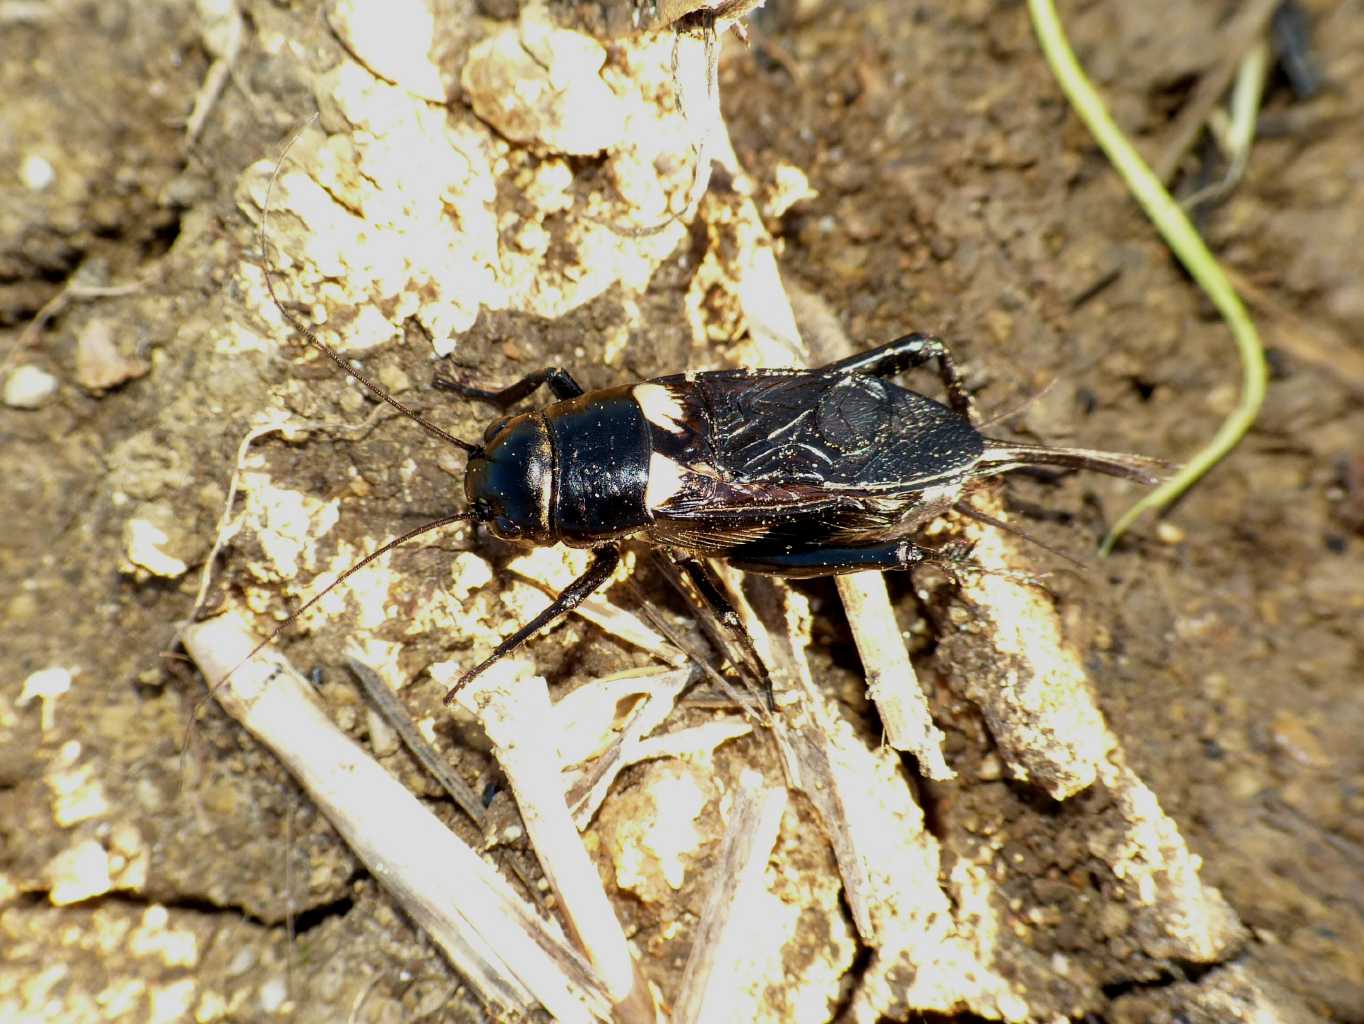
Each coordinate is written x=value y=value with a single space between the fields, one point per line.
x=517 y=716
x=204 y=102
x=804 y=735
x=223 y=29
x=630 y=628
x=709 y=981
x=589 y=789
x=227 y=528
x=891 y=681
x=393 y=712
x=1251 y=24
x=813 y=751
x=72 y=292
x=1030 y=686
x=400 y=722
x=693 y=741
x=510 y=957
x=718 y=636
x=696 y=741
x=767 y=310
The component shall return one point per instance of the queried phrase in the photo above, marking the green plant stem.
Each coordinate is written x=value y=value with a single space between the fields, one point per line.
x=1186 y=244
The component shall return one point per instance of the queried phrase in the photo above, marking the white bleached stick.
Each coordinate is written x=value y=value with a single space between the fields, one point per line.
x=517 y=715
x=709 y=981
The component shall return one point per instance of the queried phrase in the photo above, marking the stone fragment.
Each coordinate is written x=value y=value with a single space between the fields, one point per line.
x=99 y=363
x=532 y=82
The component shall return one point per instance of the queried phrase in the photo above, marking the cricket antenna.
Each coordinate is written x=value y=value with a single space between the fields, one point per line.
x=313 y=340
x=458 y=517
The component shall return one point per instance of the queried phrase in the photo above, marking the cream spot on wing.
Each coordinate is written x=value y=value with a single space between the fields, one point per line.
x=944 y=494
x=661 y=407
x=666 y=478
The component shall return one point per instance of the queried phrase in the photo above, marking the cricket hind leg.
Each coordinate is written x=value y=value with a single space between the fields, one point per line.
x=954 y=558
x=604 y=562
x=718 y=606
x=907 y=353
x=560 y=382
x=835 y=561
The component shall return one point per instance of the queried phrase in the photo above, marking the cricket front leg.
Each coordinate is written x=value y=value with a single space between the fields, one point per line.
x=560 y=382
x=604 y=562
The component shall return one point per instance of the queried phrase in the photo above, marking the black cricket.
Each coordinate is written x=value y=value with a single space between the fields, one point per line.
x=794 y=473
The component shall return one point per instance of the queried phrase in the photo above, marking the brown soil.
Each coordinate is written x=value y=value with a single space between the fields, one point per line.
x=955 y=192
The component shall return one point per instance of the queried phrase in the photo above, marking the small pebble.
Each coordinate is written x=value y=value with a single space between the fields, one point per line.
x=80 y=872
x=1169 y=533
x=36 y=173
x=29 y=387
x=991 y=768
x=144 y=544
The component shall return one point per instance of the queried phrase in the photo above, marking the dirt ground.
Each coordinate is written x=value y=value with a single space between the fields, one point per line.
x=950 y=189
